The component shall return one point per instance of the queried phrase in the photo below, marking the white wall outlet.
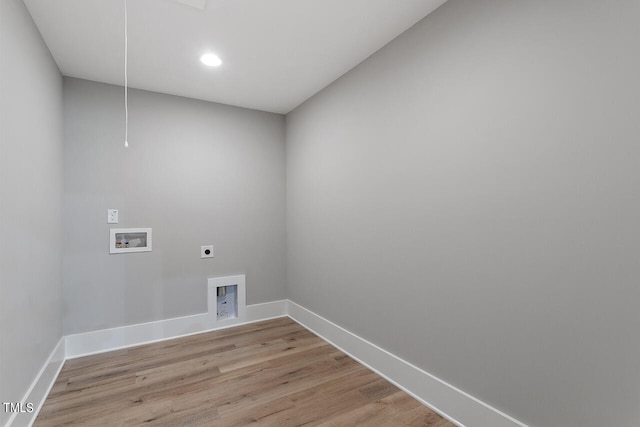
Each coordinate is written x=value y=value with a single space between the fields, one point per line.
x=206 y=251
x=112 y=216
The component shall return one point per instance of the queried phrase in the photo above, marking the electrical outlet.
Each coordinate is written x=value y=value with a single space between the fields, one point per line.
x=206 y=251
x=112 y=216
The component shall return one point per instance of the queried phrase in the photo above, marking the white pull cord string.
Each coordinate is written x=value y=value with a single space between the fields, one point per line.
x=126 y=82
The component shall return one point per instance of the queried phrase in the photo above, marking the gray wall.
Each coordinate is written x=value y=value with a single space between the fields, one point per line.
x=30 y=203
x=197 y=173
x=468 y=198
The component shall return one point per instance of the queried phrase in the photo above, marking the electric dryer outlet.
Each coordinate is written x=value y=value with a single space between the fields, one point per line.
x=206 y=251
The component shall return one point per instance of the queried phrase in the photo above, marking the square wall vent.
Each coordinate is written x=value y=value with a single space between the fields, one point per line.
x=227 y=299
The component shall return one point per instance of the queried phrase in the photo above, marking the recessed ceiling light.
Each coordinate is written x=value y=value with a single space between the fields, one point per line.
x=210 y=59
x=198 y=4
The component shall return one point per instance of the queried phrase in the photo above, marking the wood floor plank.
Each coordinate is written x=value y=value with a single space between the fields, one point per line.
x=398 y=409
x=271 y=373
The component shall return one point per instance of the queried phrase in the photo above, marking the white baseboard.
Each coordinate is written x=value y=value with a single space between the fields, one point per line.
x=457 y=406
x=93 y=342
x=39 y=389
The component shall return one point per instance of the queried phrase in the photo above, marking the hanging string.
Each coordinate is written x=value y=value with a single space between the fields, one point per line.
x=126 y=82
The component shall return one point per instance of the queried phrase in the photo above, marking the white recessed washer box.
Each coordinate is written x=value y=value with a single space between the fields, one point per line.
x=125 y=240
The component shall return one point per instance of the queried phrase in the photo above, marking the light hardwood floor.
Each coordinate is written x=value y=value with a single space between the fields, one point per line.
x=273 y=373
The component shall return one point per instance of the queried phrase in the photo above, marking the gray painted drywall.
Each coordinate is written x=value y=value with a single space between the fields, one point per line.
x=198 y=173
x=30 y=203
x=468 y=198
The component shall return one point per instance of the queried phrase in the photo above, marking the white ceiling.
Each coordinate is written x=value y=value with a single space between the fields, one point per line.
x=275 y=53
